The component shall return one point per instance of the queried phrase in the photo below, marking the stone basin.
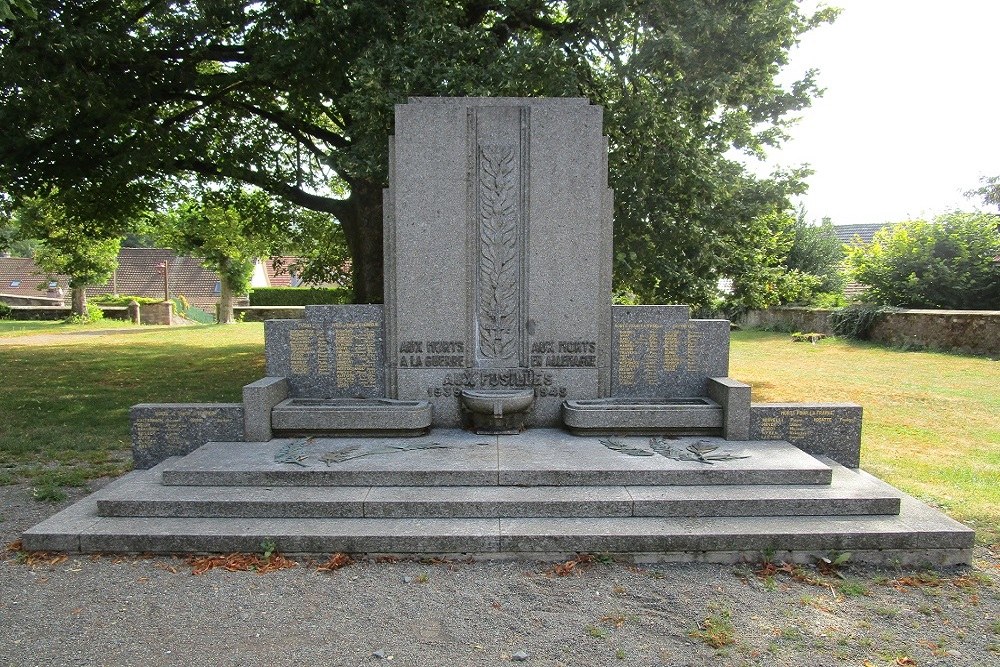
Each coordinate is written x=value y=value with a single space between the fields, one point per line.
x=351 y=417
x=685 y=415
x=497 y=411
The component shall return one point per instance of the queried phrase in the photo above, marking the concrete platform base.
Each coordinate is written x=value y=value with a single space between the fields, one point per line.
x=538 y=495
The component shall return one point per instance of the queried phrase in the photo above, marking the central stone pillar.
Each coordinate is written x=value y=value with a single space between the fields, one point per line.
x=498 y=225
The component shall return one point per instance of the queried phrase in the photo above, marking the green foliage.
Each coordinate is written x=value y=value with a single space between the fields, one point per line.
x=11 y=239
x=318 y=240
x=298 y=296
x=71 y=245
x=828 y=300
x=988 y=191
x=121 y=299
x=949 y=262
x=93 y=313
x=856 y=321
x=5 y=312
x=296 y=98
x=817 y=251
x=228 y=228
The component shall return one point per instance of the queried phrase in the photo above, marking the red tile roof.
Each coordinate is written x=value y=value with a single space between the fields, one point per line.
x=19 y=276
x=279 y=274
x=137 y=276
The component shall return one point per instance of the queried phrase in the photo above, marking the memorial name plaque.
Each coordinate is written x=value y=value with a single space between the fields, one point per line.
x=334 y=352
x=827 y=429
x=161 y=430
x=658 y=351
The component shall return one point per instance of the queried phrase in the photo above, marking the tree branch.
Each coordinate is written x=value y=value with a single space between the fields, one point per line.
x=340 y=208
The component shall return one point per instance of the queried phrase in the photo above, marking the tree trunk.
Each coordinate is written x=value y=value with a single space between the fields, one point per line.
x=362 y=224
x=79 y=301
x=225 y=301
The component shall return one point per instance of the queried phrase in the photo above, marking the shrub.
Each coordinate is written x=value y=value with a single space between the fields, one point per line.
x=5 y=312
x=120 y=299
x=299 y=296
x=951 y=262
x=856 y=321
x=94 y=314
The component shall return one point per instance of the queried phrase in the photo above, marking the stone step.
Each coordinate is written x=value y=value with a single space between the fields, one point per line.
x=918 y=535
x=849 y=494
x=540 y=457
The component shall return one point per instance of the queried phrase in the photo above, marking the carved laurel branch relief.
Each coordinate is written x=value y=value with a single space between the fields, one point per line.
x=498 y=270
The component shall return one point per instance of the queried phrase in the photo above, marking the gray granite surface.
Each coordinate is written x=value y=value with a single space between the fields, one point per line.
x=333 y=352
x=498 y=250
x=826 y=429
x=658 y=351
x=258 y=399
x=161 y=430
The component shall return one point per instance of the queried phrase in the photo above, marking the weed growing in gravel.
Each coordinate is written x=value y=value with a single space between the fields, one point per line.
x=596 y=632
x=422 y=578
x=48 y=493
x=716 y=629
x=995 y=627
x=852 y=589
x=268 y=546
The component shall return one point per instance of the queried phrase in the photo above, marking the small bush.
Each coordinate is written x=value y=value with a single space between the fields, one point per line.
x=93 y=314
x=121 y=299
x=810 y=337
x=857 y=321
x=299 y=296
x=6 y=313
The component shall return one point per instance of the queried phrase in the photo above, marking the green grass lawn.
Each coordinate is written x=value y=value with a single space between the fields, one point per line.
x=12 y=328
x=931 y=420
x=65 y=403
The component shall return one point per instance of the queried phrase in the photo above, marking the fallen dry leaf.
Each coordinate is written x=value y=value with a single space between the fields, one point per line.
x=335 y=562
x=238 y=562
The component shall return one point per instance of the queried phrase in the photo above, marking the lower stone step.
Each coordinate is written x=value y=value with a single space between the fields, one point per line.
x=540 y=457
x=144 y=496
x=918 y=535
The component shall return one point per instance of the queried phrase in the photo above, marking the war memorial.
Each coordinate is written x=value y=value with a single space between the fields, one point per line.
x=498 y=405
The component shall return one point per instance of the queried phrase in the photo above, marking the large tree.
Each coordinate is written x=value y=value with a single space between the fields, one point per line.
x=111 y=97
x=69 y=245
x=229 y=229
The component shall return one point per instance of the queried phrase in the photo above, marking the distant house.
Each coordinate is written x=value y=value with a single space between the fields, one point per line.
x=21 y=280
x=137 y=275
x=279 y=273
x=847 y=234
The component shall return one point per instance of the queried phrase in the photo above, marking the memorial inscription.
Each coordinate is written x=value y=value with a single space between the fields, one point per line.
x=334 y=352
x=160 y=430
x=829 y=429
x=658 y=351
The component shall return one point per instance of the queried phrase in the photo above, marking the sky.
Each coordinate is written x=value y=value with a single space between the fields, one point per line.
x=909 y=119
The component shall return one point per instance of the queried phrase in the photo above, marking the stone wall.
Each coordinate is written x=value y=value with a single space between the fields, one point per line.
x=19 y=300
x=157 y=313
x=969 y=331
x=806 y=320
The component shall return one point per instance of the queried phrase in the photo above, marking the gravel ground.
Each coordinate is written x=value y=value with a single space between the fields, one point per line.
x=111 y=610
